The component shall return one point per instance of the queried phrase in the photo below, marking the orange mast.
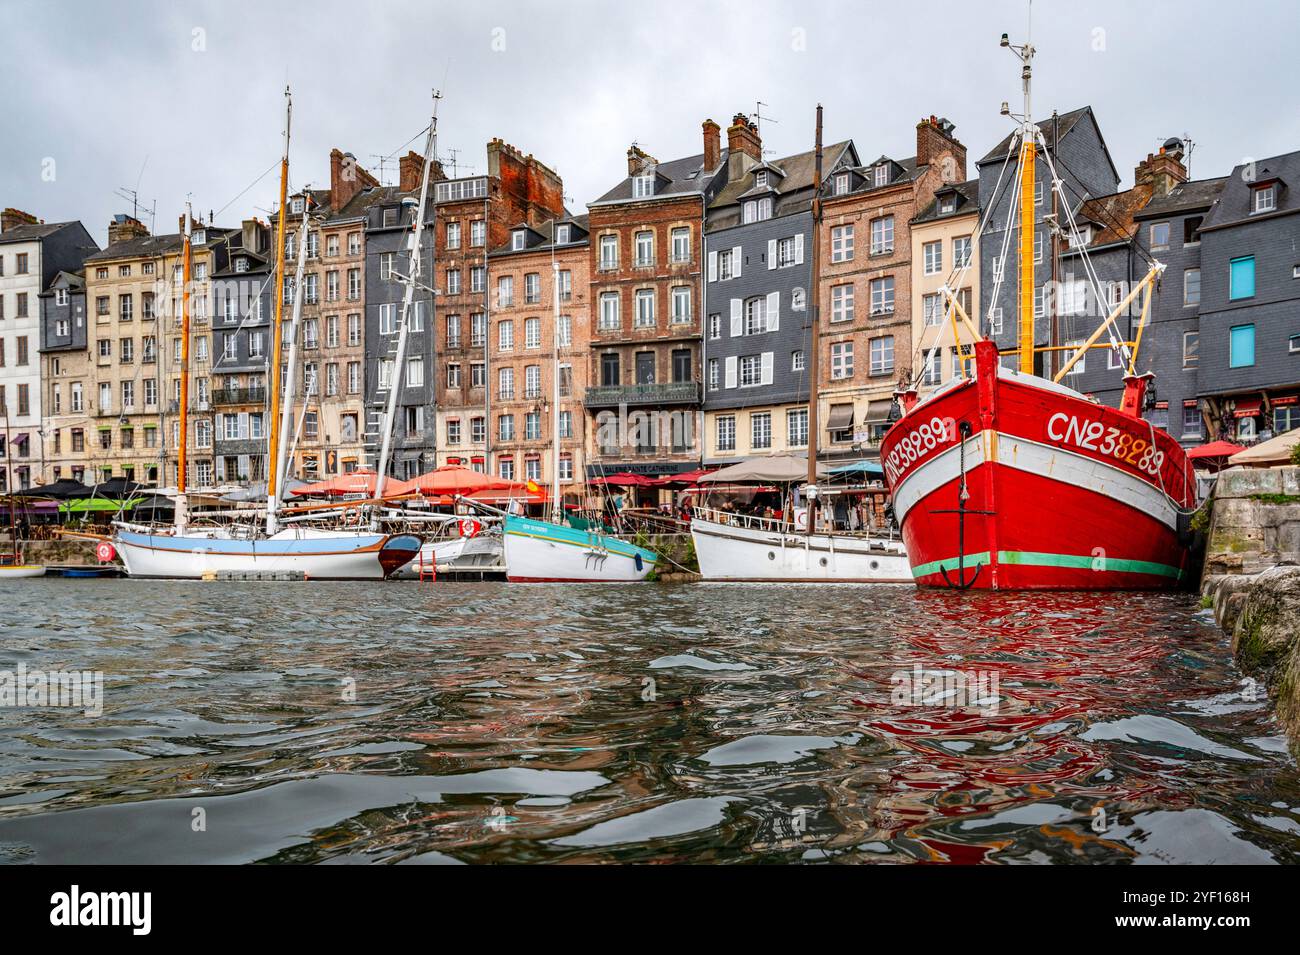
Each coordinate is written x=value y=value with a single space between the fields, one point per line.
x=273 y=372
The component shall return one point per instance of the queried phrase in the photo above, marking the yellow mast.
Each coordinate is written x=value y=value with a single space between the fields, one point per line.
x=185 y=361
x=273 y=373
x=1028 y=160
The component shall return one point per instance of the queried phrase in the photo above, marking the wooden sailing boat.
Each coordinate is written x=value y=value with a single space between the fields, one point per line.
x=11 y=564
x=316 y=553
x=551 y=550
x=1008 y=480
x=739 y=547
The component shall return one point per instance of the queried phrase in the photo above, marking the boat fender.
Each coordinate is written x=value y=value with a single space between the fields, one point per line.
x=636 y=561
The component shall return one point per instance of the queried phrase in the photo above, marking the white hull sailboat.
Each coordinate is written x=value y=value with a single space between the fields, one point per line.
x=737 y=547
x=8 y=571
x=315 y=553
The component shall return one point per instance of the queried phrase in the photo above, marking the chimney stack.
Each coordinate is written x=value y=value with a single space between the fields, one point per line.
x=638 y=160
x=123 y=227
x=1163 y=170
x=12 y=218
x=934 y=142
x=744 y=148
x=712 y=145
x=347 y=178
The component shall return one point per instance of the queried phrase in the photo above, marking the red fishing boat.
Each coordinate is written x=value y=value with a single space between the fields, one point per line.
x=1008 y=480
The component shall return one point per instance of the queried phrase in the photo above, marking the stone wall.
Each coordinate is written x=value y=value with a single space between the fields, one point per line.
x=1255 y=522
x=58 y=551
x=1262 y=613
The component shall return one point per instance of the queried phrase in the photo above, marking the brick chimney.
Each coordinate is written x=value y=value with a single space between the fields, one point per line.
x=411 y=167
x=1162 y=171
x=638 y=160
x=712 y=145
x=347 y=178
x=744 y=148
x=934 y=142
x=123 y=227
x=12 y=218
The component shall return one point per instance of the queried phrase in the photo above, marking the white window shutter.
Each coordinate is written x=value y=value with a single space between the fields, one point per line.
x=731 y=372
x=798 y=248
x=773 y=311
x=766 y=363
x=736 y=258
x=713 y=266
x=737 y=322
x=771 y=253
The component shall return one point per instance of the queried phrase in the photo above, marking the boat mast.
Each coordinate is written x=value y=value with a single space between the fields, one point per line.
x=814 y=308
x=556 y=512
x=183 y=448
x=410 y=280
x=1028 y=163
x=281 y=464
x=273 y=371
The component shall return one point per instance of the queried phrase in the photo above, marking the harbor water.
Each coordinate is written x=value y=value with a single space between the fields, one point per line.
x=440 y=723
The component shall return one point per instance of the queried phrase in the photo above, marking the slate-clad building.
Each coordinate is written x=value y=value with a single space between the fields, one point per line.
x=757 y=328
x=31 y=254
x=1248 y=369
x=65 y=369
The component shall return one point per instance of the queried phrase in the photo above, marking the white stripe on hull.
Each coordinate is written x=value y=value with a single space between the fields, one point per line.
x=728 y=552
x=536 y=558
x=143 y=561
x=1033 y=457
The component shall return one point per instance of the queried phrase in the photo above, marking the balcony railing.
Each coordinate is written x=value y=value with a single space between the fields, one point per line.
x=238 y=396
x=658 y=393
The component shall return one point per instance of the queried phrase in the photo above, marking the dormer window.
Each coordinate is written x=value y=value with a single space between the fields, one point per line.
x=517 y=240
x=947 y=205
x=643 y=186
x=756 y=210
x=1083 y=238
x=1263 y=198
x=841 y=183
x=198 y=237
x=61 y=296
x=296 y=205
x=760 y=178
x=562 y=234
x=241 y=264
x=882 y=174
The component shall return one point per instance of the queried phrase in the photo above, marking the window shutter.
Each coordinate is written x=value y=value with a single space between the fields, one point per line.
x=765 y=363
x=736 y=258
x=771 y=253
x=731 y=372
x=773 y=311
x=713 y=266
x=798 y=248
x=737 y=323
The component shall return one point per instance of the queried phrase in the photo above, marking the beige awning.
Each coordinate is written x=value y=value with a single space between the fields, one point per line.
x=840 y=418
x=1273 y=451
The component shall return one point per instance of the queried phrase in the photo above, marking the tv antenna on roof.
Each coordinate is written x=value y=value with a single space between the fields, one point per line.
x=455 y=165
x=382 y=160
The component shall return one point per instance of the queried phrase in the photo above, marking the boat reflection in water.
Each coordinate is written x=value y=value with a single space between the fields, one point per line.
x=669 y=723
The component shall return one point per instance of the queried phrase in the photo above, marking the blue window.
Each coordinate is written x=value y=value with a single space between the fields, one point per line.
x=1241 y=346
x=1241 y=278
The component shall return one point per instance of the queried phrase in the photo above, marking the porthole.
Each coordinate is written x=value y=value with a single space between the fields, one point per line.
x=823 y=561
x=771 y=555
x=875 y=564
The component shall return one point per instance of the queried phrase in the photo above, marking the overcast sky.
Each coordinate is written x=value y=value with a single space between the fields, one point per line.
x=186 y=98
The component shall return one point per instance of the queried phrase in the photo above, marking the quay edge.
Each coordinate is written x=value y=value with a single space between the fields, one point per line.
x=1252 y=580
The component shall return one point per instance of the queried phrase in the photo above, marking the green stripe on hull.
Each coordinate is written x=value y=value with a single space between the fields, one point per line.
x=1074 y=561
x=950 y=563
x=1104 y=564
